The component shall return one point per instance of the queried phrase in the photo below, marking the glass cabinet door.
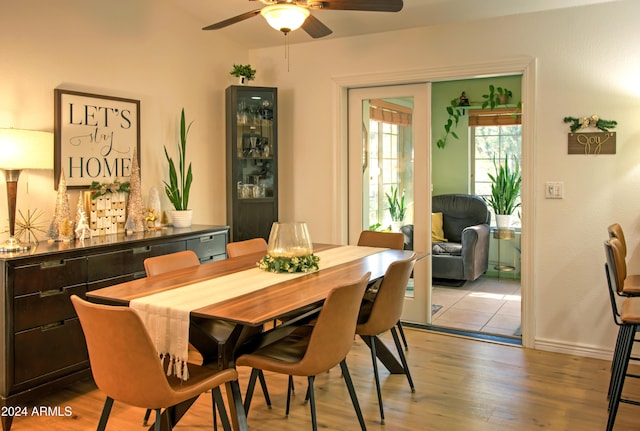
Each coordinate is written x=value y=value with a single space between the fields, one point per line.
x=251 y=161
x=254 y=145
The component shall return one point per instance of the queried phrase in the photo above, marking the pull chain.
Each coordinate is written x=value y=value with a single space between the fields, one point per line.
x=286 y=49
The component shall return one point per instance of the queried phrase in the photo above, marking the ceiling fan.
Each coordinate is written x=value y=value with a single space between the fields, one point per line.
x=288 y=15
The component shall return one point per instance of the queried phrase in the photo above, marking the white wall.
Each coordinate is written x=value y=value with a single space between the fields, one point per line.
x=146 y=50
x=587 y=63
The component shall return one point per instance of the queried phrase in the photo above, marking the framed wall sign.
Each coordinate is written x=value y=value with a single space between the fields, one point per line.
x=95 y=137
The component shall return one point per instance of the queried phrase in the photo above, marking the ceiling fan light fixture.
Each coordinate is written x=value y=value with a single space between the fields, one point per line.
x=285 y=17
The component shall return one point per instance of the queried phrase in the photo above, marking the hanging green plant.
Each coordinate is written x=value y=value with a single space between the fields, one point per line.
x=494 y=98
x=455 y=112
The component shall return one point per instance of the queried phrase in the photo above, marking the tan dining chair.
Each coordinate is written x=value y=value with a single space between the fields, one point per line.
x=631 y=282
x=392 y=240
x=372 y=238
x=382 y=314
x=170 y=262
x=217 y=332
x=127 y=368
x=313 y=349
x=159 y=265
x=627 y=318
x=249 y=246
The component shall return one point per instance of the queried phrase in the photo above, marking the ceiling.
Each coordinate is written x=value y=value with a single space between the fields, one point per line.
x=256 y=33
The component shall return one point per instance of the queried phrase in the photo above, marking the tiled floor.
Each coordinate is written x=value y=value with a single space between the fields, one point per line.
x=488 y=305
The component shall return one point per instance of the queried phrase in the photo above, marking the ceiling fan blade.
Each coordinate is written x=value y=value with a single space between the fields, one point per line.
x=315 y=28
x=364 y=5
x=233 y=20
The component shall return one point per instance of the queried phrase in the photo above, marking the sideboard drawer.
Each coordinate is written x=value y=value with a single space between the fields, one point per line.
x=49 y=274
x=45 y=307
x=43 y=346
x=208 y=246
x=109 y=265
x=111 y=281
x=47 y=349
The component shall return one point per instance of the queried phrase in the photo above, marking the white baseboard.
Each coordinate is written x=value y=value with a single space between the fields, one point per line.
x=574 y=349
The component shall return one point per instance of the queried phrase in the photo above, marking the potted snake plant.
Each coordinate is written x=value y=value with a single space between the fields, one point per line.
x=397 y=209
x=179 y=185
x=505 y=191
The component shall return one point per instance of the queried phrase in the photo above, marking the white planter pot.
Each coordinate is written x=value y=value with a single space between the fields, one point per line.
x=181 y=218
x=396 y=225
x=503 y=221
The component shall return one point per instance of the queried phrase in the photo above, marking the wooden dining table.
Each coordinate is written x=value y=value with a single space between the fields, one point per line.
x=250 y=311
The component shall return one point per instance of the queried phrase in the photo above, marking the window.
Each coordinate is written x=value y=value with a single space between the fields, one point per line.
x=389 y=158
x=491 y=141
x=383 y=157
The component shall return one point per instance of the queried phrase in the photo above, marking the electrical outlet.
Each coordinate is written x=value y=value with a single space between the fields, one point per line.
x=554 y=190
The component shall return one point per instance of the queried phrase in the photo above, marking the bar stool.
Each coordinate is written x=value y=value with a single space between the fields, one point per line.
x=627 y=318
x=631 y=282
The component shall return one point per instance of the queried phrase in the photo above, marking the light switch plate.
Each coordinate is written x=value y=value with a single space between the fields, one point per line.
x=553 y=190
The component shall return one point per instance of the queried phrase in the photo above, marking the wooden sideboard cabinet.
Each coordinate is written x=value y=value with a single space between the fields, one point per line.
x=42 y=341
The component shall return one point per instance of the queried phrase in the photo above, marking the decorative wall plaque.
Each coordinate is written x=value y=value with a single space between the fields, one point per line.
x=95 y=137
x=592 y=143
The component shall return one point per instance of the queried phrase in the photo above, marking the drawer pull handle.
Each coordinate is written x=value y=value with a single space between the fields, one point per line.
x=53 y=264
x=208 y=238
x=51 y=292
x=50 y=326
x=140 y=250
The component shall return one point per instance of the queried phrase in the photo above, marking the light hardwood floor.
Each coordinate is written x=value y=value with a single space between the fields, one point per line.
x=461 y=384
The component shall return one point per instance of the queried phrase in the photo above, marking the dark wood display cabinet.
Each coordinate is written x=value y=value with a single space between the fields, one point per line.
x=252 y=160
x=43 y=344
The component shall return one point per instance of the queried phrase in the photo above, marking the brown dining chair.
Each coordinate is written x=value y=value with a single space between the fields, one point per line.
x=170 y=262
x=313 y=349
x=126 y=367
x=372 y=238
x=217 y=332
x=392 y=240
x=383 y=313
x=249 y=246
x=158 y=265
x=631 y=284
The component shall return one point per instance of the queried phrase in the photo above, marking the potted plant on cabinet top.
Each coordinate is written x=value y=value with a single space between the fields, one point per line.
x=505 y=189
x=244 y=72
x=178 y=187
x=397 y=209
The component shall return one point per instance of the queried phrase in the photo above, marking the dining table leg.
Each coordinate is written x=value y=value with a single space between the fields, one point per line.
x=384 y=355
x=236 y=409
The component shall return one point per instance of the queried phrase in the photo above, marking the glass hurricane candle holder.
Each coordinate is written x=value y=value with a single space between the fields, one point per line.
x=289 y=249
x=289 y=239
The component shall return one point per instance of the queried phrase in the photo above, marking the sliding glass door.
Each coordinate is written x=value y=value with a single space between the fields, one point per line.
x=389 y=175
